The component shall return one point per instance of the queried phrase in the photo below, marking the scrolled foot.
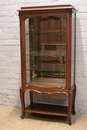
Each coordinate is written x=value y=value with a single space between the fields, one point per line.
x=22 y=116
x=70 y=123
x=73 y=112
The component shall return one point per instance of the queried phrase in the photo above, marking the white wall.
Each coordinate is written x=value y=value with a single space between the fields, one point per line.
x=10 y=78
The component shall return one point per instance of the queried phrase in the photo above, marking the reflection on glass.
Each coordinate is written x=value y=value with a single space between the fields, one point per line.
x=46 y=51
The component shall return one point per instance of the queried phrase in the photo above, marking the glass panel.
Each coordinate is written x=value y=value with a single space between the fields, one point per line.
x=46 y=51
x=73 y=49
x=27 y=50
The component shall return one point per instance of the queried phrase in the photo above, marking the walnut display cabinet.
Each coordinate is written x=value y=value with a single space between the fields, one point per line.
x=48 y=51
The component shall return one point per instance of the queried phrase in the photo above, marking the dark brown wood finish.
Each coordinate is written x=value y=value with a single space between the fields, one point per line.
x=47 y=109
x=63 y=85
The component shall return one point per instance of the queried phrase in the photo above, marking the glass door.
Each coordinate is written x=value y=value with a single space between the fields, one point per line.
x=46 y=51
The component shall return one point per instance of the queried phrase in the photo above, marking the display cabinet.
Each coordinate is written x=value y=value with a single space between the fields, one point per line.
x=48 y=51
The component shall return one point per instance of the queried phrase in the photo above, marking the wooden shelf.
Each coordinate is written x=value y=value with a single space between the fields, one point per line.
x=47 y=109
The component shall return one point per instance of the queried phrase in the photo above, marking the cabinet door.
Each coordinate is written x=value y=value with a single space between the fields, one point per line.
x=46 y=50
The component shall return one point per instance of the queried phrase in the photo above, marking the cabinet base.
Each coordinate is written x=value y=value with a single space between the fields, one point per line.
x=47 y=109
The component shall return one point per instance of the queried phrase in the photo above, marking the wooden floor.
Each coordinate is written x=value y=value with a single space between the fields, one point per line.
x=10 y=120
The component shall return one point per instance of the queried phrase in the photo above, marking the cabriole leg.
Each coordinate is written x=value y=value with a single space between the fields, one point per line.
x=73 y=103
x=69 y=107
x=22 y=102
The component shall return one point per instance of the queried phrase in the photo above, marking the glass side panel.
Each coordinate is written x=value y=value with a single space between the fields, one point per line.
x=73 y=50
x=46 y=50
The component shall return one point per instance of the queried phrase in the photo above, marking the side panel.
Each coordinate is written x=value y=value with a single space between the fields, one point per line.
x=73 y=56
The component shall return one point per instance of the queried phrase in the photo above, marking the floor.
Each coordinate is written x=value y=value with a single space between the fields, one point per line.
x=10 y=120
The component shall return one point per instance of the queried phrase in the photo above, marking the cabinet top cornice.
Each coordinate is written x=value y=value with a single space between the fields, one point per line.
x=43 y=8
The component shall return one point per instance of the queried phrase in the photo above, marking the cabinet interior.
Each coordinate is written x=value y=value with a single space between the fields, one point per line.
x=46 y=50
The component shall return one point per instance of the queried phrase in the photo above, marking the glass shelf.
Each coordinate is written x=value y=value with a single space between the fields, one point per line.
x=47 y=53
x=47 y=68
x=53 y=43
x=45 y=32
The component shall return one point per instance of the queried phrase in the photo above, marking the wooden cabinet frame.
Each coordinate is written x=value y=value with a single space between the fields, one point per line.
x=70 y=88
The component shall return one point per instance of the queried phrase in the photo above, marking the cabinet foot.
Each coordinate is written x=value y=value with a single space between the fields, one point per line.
x=73 y=112
x=22 y=116
x=70 y=123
